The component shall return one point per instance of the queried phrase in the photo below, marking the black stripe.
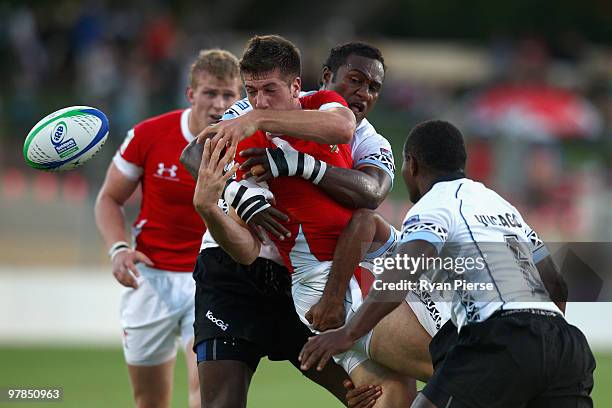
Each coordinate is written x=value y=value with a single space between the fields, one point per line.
x=239 y=195
x=300 y=165
x=281 y=163
x=227 y=184
x=253 y=209
x=315 y=172
x=243 y=206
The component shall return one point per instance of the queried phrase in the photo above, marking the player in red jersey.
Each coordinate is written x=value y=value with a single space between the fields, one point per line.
x=158 y=304
x=315 y=221
x=314 y=217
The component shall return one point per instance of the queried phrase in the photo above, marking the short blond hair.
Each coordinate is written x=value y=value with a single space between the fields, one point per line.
x=219 y=63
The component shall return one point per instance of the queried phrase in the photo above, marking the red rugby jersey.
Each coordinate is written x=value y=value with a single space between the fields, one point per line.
x=315 y=220
x=168 y=229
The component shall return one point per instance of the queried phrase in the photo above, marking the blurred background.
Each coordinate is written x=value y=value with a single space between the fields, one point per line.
x=529 y=83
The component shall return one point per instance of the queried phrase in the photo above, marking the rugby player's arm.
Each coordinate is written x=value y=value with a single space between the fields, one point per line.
x=235 y=238
x=230 y=233
x=331 y=126
x=553 y=281
x=364 y=233
x=383 y=300
x=365 y=187
x=108 y=209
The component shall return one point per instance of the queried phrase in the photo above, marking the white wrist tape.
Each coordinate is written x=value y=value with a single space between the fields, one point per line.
x=286 y=161
x=117 y=247
x=247 y=201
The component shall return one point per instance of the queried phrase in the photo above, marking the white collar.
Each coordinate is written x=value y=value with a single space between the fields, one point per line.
x=362 y=125
x=185 y=125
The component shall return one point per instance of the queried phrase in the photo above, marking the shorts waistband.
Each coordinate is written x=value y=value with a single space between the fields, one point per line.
x=538 y=312
x=146 y=270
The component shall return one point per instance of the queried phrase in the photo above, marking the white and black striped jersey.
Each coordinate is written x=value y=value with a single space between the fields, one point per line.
x=465 y=220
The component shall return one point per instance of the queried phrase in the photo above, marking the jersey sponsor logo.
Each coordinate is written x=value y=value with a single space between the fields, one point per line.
x=168 y=173
x=505 y=220
x=220 y=323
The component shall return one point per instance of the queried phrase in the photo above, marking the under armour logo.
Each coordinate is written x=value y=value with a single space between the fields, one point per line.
x=161 y=169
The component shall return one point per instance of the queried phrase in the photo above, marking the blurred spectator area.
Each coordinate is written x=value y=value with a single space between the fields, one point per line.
x=530 y=87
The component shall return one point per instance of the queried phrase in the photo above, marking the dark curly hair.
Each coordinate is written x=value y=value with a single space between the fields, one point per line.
x=438 y=145
x=339 y=54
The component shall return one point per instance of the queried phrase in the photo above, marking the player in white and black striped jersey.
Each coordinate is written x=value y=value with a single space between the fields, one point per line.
x=514 y=348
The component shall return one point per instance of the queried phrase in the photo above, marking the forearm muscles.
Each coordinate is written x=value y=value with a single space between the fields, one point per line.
x=334 y=126
x=365 y=232
x=110 y=220
x=235 y=238
x=364 y=188
x=109 y=205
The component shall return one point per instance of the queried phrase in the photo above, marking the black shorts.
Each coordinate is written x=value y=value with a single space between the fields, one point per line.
x=442 y=342
x=515 y=359
x=249 y=308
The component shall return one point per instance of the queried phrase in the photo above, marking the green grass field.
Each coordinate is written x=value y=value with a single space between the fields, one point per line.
x=98 y=378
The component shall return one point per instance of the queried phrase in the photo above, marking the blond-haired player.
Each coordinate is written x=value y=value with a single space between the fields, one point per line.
x=155 y=264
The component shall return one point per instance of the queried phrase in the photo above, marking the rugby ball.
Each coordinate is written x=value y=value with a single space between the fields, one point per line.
x=66 y=139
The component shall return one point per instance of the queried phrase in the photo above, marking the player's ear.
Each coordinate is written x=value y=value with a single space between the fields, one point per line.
x=326 y=77
x=189 y=94
x=413 y=166
x=296 y=87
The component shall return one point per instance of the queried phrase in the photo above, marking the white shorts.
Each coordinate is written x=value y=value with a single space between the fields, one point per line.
x=156 y=314
x=432 y=313
x=307 y=288
x=430 y=308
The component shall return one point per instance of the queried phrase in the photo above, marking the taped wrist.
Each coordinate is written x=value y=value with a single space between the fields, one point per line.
x=117 y=247
x=294 y=163
x=246 y=201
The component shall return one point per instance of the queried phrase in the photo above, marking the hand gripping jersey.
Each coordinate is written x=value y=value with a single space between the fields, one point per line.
x=368 y=148
x=488 y=252
x=315 y=220
x=168 y=229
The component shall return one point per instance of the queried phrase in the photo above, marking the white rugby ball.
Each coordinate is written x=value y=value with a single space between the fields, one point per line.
x=66 y=138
